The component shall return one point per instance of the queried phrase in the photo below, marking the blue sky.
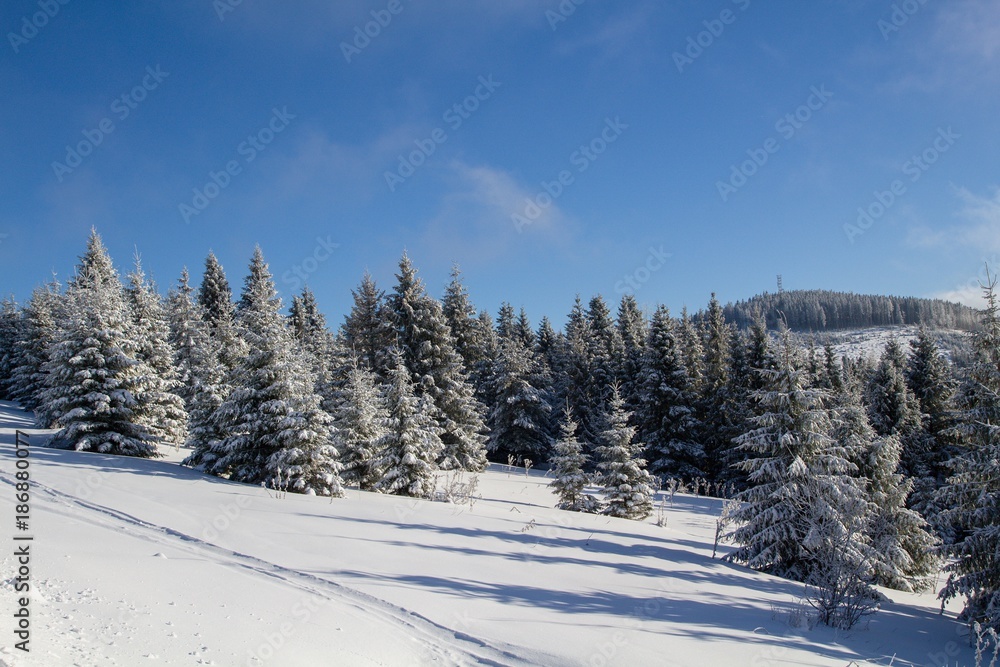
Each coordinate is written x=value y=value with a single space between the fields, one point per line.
x=691 y=146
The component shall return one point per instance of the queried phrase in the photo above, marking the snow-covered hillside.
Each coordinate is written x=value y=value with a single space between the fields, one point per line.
x=870 y=342
x=142 y=562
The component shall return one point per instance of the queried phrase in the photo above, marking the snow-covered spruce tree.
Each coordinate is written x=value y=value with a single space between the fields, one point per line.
x=10 y=330
x=605 y=354
x=902 y=549
x=972 y=495
x=519 y=420
x=215 y=296
x=666 y=418
x=360 y=422
x=715 y=397
x=571 y=481
x=200 y=372
x=523 y=332
x=580 y=389
x=188 y=333
x=930 y=379
x=461 y=317
x=632 y=331
x=833 y=370
x=161 y=409
x=750 y=354
x=93 y=381
x=275 y=431
x=216 y=300
x=366 y=330
x=35 y=338
x=411 y=444
x=627 y=485
x=436 y=368
x=308 y=326
x=505 y=322
x=804 y=515
x=694 y=351
x=894 y=410
x=481 y=375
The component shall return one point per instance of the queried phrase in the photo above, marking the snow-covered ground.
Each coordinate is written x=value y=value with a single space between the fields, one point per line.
x=138 y=562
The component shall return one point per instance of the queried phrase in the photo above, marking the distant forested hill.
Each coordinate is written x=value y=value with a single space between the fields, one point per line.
x=824 y=310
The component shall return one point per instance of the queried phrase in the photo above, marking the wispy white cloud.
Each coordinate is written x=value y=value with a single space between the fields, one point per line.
x=475 y=220
x=956 y=52
x=970 y=295
x=978 y=227
x=970 y=27
x=317 y=163
x=615 y=37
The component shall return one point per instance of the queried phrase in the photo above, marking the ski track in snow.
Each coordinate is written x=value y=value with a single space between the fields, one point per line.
x=438 y=643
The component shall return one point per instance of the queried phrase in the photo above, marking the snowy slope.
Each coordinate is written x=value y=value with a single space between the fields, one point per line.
x=145 y=562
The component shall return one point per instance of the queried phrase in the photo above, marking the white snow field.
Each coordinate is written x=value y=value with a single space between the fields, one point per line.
x=144 y=562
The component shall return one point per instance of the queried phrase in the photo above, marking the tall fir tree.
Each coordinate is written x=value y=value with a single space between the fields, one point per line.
x=482 y=372
x=632 y=331
x=750 y=357
x=575 y=367
x=605 y=351
x=972 y=496
x=276 y=433
x=308 y=327
x=666 y=417
x=461 y=317
x=714 y=415
x=519 y=420
x=10 y=330
x=215 y=296
x=36 y=336
x=162 y=409
x=804 y=515
x=568 y=464
x=216 y=300
x=627 y=485
x=200 y=372
x=902 y=548
x=361 y=420
x=505 y=322
x=411 y=444
x=694 y=351
x=523 y=331
x=894 y=410
x=366 y=330
x=92 y=378
x=428 y=351
x=929 y=378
